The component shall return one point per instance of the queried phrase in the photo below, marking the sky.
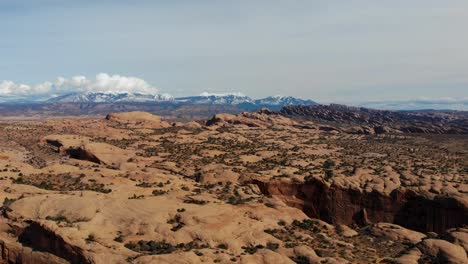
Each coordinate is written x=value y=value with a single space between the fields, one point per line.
x=328 y=51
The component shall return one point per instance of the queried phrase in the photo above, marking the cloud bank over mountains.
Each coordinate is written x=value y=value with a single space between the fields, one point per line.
x=103 y=82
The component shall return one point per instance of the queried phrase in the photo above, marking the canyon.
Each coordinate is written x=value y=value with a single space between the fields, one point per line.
x=338 y=205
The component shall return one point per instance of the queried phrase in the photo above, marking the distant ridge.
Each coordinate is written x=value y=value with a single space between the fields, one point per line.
x=460 y=104
x=367 y=121
x=177 y=109
x=273 y=102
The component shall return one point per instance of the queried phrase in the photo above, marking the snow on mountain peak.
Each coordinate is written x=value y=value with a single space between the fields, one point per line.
x=233 y=99
x=237 y=94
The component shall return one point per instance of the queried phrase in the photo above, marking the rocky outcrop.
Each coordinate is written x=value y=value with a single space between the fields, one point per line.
x=262 y=118
x=370 y=121
x=14 y=252
x=101 y=153
x=338 y=205
x=143 y=119
x=64 y=142
x=38 y=244
x=223 y=119
x=458 y=236
x=441 y=251
x=42 y=238
x=395 y=232
x=82 y=148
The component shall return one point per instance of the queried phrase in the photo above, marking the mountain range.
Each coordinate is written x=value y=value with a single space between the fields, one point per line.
x=231 y=99
x=180 y=108
x=273 y=102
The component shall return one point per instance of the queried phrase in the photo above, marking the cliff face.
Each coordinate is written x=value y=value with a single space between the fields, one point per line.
x=35 y=243
x=337 y=205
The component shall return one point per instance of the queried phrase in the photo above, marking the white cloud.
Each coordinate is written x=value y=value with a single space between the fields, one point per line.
x=10 y=88
x=117 y=83
x=103 y=82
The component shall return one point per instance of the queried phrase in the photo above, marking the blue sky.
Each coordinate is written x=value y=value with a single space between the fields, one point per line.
x=342 y=51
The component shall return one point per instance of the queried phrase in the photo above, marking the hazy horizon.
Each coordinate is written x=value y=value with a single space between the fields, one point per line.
x=327 y=51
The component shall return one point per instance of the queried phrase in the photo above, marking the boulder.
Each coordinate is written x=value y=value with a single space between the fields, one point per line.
x=346 y=231
x=443 y=251
x=396 y=232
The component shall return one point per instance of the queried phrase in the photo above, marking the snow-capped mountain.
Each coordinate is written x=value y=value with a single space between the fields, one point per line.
x=279 y=100
x=273 y=102
x=211 y=99
x=240 y=100
x=90 y=97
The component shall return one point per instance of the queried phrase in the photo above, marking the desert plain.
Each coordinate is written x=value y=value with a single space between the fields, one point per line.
x=256 y=187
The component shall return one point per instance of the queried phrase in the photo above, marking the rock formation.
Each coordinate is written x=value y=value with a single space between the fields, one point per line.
x=339 y=205
x=370 y=121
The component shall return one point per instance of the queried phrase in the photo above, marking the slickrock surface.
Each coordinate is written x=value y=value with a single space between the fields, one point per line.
x=248 y=188
x=138 y=119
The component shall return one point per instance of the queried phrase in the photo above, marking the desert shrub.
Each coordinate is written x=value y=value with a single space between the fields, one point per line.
x=162 y=247
x=197 y=176
x=252 y=249
x=290 y=245
x=329 y=174
x=119 y=238
x=152 y=246
x=58 y=218
x=222 y=246
x=195 y=201
x=90 y=238
x=176 y=221
x=281 y=223
x=301 y=260
x=158 y=192
x=145 y=185
x=272 y=246
x=328 y=164
x=306 y=224
x=18 y=180
x=136 y=197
